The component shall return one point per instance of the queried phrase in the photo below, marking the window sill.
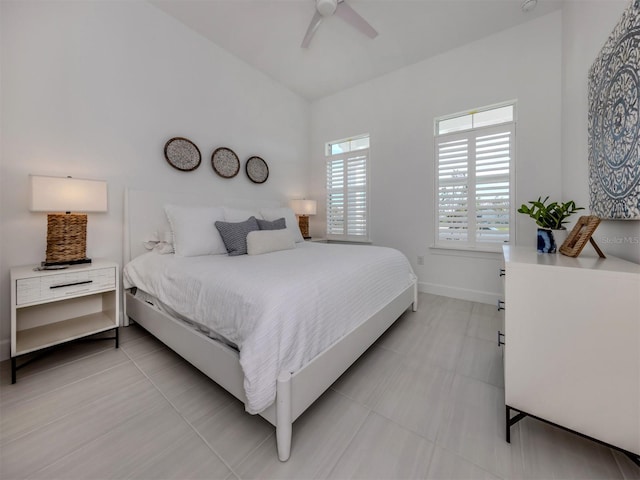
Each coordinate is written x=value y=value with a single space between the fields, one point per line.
x=478 y=252
x=349 y=241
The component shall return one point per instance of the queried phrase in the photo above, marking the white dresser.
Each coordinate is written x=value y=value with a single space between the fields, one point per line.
x=572 y=343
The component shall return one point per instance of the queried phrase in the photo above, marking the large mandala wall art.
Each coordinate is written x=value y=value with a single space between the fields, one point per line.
x=614 y=123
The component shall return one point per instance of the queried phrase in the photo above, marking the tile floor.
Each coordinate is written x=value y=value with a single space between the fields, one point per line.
x=426 y=401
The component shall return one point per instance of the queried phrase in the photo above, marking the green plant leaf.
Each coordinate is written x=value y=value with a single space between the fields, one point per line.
x=549 y=215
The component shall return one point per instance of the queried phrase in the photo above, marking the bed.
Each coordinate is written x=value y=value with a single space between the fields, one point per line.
x=276 y=329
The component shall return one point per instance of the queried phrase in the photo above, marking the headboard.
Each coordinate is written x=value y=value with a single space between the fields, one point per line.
x=144 y=214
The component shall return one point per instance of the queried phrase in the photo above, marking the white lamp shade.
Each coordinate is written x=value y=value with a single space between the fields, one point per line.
x=60 y=194
x=303 y=207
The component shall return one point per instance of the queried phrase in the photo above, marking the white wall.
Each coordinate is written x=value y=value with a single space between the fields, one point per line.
x=398 y=110
x=95 y=89
x=586 y=25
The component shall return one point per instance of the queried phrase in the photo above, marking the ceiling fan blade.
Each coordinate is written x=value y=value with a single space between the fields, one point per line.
x=313 y=26
x=354 y=19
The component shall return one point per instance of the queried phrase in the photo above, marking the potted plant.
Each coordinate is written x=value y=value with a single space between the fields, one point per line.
x=550 y=218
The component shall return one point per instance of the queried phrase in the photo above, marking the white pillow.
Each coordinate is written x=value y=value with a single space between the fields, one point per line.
x=194 y=230
x=272 y=214
x=238 y=215
x=265 y=241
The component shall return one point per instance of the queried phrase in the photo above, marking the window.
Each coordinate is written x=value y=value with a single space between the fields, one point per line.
x=474 y=162
x=347 y=189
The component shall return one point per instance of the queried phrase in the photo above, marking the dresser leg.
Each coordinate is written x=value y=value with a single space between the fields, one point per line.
x=117 y=337
x=512 y=421
x=13 y=370
x=507 y=423
x=634 y=458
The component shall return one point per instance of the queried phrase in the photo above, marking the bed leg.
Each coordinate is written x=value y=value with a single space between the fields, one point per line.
x=283 y=415
x=414 y=306
x=124 y=318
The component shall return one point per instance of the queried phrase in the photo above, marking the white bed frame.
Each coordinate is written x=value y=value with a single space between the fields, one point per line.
x=295 y=391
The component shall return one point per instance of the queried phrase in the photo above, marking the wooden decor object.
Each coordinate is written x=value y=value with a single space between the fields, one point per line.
x=66 y=238
x=580 y=235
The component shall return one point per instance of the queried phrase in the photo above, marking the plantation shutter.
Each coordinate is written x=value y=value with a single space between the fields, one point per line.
x=493 y=161
x=335 y=197
x=347 y=195
x=473 y=186
x=453 y=192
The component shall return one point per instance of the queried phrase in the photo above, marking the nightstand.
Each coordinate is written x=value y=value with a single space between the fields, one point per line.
x=51 y=307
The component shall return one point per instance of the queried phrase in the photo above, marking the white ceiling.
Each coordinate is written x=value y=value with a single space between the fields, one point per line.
x=267 y=34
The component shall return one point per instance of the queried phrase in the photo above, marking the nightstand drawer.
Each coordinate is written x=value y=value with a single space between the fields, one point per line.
x=68 y=284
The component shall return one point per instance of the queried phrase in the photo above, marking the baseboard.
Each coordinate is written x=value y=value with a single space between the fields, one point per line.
x=5 y=350
x=489 y=298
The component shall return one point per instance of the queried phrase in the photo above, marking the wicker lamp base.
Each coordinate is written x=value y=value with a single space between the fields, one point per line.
x=66 y=239
x=303 y=223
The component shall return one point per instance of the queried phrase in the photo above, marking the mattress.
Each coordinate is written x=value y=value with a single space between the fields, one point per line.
x=282 y=308
x=161 y=307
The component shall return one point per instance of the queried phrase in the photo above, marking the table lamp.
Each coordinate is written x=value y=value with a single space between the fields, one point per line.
x=67 y=232
x=303 y=208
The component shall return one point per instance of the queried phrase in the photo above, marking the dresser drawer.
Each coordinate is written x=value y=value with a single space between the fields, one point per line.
x=68 y=284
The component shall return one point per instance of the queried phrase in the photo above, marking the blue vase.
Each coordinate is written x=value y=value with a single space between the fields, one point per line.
x=546 y=242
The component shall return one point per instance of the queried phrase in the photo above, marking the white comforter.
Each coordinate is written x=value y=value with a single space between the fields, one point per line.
x=282 y=308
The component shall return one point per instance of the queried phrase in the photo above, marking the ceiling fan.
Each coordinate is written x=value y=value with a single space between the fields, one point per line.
x=326 y=8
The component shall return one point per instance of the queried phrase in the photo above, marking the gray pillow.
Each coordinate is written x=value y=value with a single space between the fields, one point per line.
x=278 y=224
x=234 y=235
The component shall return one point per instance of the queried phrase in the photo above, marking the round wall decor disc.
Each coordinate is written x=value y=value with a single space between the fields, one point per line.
x=257 y=170
x=182 y=154
x=225 y=162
